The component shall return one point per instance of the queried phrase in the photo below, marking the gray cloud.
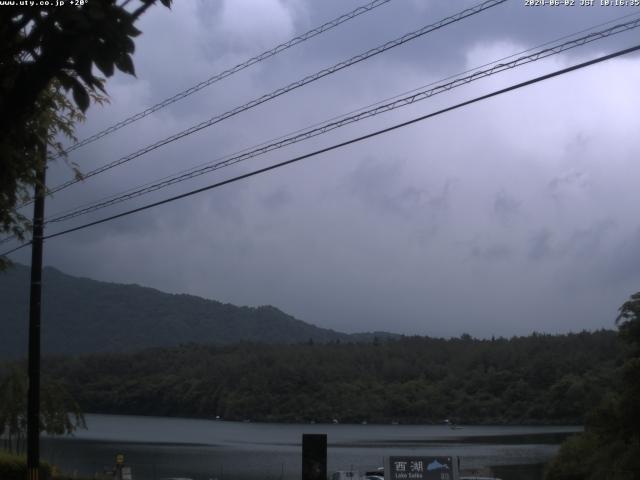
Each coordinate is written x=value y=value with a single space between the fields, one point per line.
x=540 y=247
x=625 y=260
x=278 y=198
x=512 y=215
x=506 y=207
x=491 y=252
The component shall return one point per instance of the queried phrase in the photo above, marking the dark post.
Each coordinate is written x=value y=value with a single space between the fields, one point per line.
x=314 y=456
x=33 y=404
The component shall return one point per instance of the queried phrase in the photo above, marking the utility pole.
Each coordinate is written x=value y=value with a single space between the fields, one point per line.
x=314 y=456
x=33 y=404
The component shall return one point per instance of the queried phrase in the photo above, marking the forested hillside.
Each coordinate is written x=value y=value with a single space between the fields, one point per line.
x=535 y=379
x=85 y=316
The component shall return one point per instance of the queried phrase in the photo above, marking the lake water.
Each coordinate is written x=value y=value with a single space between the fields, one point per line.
x=158 y=447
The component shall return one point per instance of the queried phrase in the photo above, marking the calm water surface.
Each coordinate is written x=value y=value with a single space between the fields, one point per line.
x=157 y=447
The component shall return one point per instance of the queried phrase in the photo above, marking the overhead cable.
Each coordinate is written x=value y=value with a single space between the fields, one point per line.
x=226 y=73
x=281 y=91
x=337 y=117
x=313 y=132
x=348 y=142
x=15 y=249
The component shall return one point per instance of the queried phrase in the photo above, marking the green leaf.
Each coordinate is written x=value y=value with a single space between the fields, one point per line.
x=65 y=80
x=132 y=31
x=128 y=45
x=105 y=65
x=82 y=64
x=80 y=96
x=125 y=64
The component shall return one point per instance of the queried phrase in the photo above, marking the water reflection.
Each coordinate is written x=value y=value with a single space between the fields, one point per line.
x=203 y=449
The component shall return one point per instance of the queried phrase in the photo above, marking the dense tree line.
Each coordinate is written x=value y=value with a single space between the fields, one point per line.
x=59 y=413
x=534 y=379
x=610 y=446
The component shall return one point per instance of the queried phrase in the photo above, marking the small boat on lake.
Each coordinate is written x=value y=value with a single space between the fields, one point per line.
x=452 y=425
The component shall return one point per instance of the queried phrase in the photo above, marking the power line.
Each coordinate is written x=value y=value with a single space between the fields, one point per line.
x=276 y=93
x=8 y=239
x=241 y=66
x=136 y=191
x=348 y=142
x=19 y=247
x=327 y=127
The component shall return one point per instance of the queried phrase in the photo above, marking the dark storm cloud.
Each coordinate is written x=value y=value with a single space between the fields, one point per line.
x=277 y=198
x=526 y=202
x=491 y=252
x=590 y=242
x=622 y=263
x=560 y=186
x=540 y=245
x=505 y=206
x=382 y=184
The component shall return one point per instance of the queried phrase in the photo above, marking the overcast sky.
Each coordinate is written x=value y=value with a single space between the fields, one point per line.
x=513 y=215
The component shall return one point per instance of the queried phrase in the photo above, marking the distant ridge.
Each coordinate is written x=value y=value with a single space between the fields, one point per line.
x=81 y=315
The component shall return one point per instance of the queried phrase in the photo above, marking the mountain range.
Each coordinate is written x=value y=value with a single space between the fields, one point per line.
x=80 y=315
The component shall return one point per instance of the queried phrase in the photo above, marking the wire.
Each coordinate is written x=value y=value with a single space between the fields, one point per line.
x=160 y=183
x=276 y=93
x=8 y=239
x=398 y=103
x=134 y=189
x=241 y=66
x=348 y=142
x=19 y=247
